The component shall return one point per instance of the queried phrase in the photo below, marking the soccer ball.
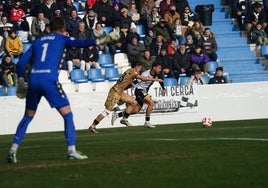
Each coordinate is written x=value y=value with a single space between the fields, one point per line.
x=207 y=122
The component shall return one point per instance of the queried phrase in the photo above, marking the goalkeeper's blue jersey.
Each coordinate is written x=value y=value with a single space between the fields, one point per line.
x=46 y=54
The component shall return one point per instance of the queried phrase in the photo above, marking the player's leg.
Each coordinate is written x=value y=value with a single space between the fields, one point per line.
x=149 y=101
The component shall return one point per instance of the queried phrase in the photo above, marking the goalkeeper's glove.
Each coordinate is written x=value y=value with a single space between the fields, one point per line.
x=111 y=37
x=22 y=89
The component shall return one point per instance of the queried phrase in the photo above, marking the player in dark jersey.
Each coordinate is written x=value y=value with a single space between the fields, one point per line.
x=142 y=96
x=117 y=93
x=46 y=54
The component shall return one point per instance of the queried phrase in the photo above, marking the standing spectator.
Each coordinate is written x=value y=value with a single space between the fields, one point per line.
x=153 y=18
x=73 y=21
x=164 y=7
x=134 y=50
x=199 y=59
x=104 y=12
x=146 y=60
x=254 y=16
x=218 y=78
x=38 y=26
x=90 y=19
x=48 y=7
x=171 y=15
x=196 y=79
x=208 y=44
x=74 y=59
x=181 y=63
x=258 y=35
x=239 y=9
x=91 y=56
x=16 y=13
x=157 y=45
x=99 y=34
x=9 y=72
x=13 y=45
x=167 y=70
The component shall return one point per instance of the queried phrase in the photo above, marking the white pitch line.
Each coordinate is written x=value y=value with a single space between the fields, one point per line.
x=206 y=139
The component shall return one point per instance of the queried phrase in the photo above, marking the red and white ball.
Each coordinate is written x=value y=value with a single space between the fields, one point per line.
x=207 y=122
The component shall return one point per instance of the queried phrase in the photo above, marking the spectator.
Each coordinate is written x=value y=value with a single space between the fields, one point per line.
x=90 y=3
x=74 y=59
x=124 y=20
x=73 y=21
x=91 y=56
x=153 y=18
x=197 y=31
x=116 y=12
x=99 y=34
x=132 y=32
x=181 y=63
x=254 y=16
x=90 y=19
x=5 y=26
x=199 y=59
x=2 y=46
x=9 y=72
x=179 y=31
x=145 y=10
x=157 y=45
x=188 y=17
x=149 y=37
x=189 y=44
x=133 y=13
x=163 y=28
x=258 y=35
x=13 y=45
x=167 y=70
x=196 y=79
x=48 y=7
x=82 y=32
x=104 y=12
x=67 y=8
x=208 y=44
x=146 y=60
x=172 y=47
x=120 y=44
x=239 y=9
x=164 y=7
x=134 y=49
x=16 y=13
x=171 y=15
x=38 y=26
x=180 y=5
x=218 y=78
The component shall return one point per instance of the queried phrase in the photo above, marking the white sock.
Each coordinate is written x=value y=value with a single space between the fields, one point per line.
x=14 y=148
x=71 y=149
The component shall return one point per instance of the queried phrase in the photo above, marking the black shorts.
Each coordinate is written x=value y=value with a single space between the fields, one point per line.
x=140 y=95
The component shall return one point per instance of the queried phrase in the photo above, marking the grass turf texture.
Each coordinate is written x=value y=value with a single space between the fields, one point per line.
x=229 y=154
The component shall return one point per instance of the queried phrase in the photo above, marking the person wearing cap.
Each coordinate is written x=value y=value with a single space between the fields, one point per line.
x=199 y=59
x=165 y=29
x=132 y=32
x=171 y=15
x=124 y=20
x=218 y=78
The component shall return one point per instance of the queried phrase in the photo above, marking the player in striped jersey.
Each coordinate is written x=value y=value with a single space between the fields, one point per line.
x=142 y=96
x=117 y=93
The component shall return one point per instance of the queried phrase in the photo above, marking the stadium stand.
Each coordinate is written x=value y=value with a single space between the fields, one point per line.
x=111 y=74
x=11 y=91
x=170 y=82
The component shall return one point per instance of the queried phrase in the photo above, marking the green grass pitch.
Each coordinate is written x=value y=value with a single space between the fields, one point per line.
x=229 y=154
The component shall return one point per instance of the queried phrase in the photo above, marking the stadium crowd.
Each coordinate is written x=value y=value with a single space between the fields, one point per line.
x=173 y=33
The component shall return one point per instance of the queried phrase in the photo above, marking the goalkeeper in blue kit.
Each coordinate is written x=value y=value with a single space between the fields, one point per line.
x=46 y=54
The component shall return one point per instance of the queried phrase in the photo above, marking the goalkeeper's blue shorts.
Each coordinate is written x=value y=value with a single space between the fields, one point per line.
x=50 y=89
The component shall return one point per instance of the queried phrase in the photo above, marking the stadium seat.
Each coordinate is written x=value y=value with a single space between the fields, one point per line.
x=105 y=60
x=170 y=82
x=264 y=51
x=79 y=7
x=121 y=60
x=212 y=65
x=78 y=76
x=183 y=80
x=141 y=30
x=94 y=75
x=2 y=91
x=111 y=74
x=107 y=29
x=206 y=78
x=26 y=46
x=11 y=91
x=15 y=60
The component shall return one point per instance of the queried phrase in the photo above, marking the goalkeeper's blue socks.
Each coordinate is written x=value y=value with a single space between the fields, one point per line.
x=69 y=129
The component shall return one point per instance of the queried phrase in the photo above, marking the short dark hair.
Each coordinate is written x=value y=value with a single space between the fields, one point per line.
x=157 y=63
x=135 y=63
x=57 y=24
